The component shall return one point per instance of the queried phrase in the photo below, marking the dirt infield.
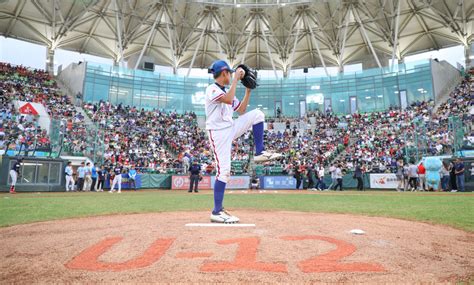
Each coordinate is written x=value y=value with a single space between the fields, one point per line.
x=282 y=247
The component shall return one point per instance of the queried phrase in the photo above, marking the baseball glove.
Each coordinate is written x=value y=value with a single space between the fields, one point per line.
x=250 y=78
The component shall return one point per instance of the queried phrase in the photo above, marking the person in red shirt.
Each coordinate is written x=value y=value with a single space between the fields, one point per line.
x=422 y=176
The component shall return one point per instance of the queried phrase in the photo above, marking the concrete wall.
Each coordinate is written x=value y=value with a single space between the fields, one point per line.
x=445 y=78
x=73 y=78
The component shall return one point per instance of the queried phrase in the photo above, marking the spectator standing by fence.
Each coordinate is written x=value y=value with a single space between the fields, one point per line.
x=101 y=175
x=452 y=177
x=320 y=178
x=297 y=175
x=332 y=170
x=338 y=176
x=413 y=176
x=459 y=171
x=400 y=176
x=81 y=173
x=358 y=174
x=444 y=172
x=132 y=174
x=93 y=178
x=422 y=176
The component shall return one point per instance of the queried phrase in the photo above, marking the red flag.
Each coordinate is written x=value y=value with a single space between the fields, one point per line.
x=28 y=109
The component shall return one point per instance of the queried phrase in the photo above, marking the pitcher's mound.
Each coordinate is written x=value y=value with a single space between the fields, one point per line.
x=282 y=247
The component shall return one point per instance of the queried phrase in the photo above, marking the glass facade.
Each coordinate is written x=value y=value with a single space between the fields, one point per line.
x=366 y=91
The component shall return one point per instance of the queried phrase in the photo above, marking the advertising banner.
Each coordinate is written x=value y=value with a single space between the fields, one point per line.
x=383 y=181
x=180 y=182
x=277 y=182
x=235 y=182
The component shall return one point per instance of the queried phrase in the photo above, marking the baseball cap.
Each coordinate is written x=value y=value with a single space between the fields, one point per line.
x=220 y=65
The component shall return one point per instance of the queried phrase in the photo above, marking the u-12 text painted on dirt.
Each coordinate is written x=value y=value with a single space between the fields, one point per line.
x=245 y=258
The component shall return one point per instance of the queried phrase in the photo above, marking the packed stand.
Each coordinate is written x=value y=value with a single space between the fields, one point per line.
x=18 y=132
x=150 y=140
x=35 y=85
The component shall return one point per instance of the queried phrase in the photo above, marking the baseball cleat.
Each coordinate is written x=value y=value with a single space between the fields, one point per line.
x=266 y=156
x=224 y=217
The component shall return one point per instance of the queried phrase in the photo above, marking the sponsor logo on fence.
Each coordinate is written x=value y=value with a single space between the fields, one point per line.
x=383 y=181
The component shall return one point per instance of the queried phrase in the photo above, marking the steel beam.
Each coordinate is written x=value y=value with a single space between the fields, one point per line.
x=395 y=40
x=197 y=48
x=305 y=20
x=364 y=32
x=159 y=14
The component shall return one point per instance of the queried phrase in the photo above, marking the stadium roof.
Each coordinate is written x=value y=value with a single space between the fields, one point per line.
x=271 y=34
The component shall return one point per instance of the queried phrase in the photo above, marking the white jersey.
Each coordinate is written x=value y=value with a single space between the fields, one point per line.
x=219 y=115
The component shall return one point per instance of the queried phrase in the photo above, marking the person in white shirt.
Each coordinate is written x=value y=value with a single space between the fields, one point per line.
x=222 y=129
x=320 y=175
x=69 y=179
x=338 y=176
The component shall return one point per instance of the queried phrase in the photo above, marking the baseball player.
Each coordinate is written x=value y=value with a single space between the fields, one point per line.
x=220 y=105
x=14 y=172
x=69 y=180
x=117 y=179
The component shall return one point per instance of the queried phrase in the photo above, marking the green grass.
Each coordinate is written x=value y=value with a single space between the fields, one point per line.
x=453 y=209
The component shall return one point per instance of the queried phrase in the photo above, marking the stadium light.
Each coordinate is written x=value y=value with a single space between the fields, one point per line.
x=380 y=96
x=315 y=87
x=368 y=97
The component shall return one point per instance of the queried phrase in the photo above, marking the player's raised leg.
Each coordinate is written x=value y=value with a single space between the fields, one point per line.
x=254 y=119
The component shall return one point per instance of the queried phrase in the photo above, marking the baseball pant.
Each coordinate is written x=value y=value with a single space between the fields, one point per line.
x=221 y=141
x=13 y=176
x=117 y=179
x=69 y=183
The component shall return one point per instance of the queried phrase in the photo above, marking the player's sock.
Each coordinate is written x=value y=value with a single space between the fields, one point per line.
x=219 y=188
x=258 y=138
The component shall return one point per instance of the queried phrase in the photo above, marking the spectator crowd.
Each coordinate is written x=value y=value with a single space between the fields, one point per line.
x=157 y=141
